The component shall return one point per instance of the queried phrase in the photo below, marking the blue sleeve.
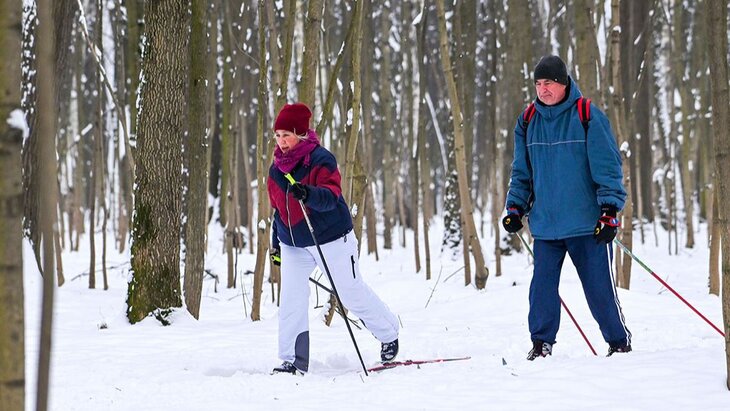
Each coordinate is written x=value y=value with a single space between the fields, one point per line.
x=605 y=161
x=520 y=183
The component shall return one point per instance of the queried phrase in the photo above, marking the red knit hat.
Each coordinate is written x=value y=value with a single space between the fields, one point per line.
x=294 y=117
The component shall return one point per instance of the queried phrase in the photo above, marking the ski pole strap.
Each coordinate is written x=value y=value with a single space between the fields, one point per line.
x=289 y=178
x=610 y=221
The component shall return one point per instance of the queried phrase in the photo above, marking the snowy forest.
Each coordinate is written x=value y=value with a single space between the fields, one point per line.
x=144 y=128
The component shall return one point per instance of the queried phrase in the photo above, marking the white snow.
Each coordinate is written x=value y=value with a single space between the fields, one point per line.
x=222 y=361
x=16 y=120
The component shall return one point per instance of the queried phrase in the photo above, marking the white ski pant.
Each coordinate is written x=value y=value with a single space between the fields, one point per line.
x=342 y=260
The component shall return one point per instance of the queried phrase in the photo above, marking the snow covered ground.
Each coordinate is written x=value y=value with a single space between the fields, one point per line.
x=222 y=362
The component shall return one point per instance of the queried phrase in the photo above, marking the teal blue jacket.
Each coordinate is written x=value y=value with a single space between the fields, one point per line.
x=561 y=174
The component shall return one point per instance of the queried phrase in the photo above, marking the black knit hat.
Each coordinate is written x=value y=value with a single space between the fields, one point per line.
x=552 y=68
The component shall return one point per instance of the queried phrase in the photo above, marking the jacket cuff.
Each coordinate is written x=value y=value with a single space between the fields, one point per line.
x=515 y=209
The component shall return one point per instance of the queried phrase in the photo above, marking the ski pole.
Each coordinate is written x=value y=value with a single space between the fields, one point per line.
x=562 y=302
x=664 y=283
x=292 y=181
x=324 y=287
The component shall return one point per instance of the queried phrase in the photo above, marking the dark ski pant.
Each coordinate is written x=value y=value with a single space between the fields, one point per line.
x=593 y=263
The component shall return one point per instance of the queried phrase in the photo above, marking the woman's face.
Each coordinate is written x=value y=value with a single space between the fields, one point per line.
x=286 y=140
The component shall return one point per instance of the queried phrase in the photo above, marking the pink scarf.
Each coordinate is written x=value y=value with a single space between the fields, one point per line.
x=287 y=161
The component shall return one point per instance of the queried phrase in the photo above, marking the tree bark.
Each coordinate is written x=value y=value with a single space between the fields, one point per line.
x=718 y=52
x=623 y=262
x=155 y=284
x=356 y=106
x=263 y=148
x=47 y=194
x=715 y=240
x=586 y=49
x=12 y=313
x=310 y=57
x=196 y=149
x=471 y=239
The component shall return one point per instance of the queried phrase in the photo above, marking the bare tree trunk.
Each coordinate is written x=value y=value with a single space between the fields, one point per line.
x=97 y=135
x=48 y=195
x=196 y=150
x=718 y=52
x=356 y=106
x=420 y=168
x=587 y=49
x=685 y=154
x=310 y=57
x=715 y=240
x=623 y=262
x=263 y=147
x=389 y=157
x=155 y=285
x=471 y=239
x=355 y=180
x=12 y=312
x=78 y=176
x=226 y=140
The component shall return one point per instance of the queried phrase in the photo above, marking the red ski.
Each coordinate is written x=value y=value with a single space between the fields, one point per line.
x=393 y=364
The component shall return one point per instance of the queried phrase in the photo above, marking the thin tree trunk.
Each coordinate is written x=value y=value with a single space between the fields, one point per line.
x=389 y=158
x=685 y=152
x=97 y=136
x=419 y=166
x=586 y=49
x=623 y=262
x=715 y=240
x=310 y=57
x=356 y=106
x=48 y=196
x=718 y=52
x=262 y=150
x=471 y=239
x=197 y=161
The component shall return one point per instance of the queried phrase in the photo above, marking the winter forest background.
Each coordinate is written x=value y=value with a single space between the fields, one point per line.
x=144 y=127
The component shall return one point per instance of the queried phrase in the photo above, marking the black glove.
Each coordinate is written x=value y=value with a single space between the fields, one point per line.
x=512 y=222
x=275 y=256
x=607 y=225
x=300 y=191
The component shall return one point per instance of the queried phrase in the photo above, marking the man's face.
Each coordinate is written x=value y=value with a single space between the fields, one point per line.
x=549 y=91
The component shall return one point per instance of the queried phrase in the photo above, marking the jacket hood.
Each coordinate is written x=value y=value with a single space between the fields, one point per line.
x=550 y=112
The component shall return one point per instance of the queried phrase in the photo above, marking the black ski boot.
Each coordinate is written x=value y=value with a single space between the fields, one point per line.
x=612 y=349
x=388 y=351
x=287 y=368
x=540 y=349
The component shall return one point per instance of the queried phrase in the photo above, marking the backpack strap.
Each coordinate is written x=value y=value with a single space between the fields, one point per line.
x=527 y=115
x=584 y=111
